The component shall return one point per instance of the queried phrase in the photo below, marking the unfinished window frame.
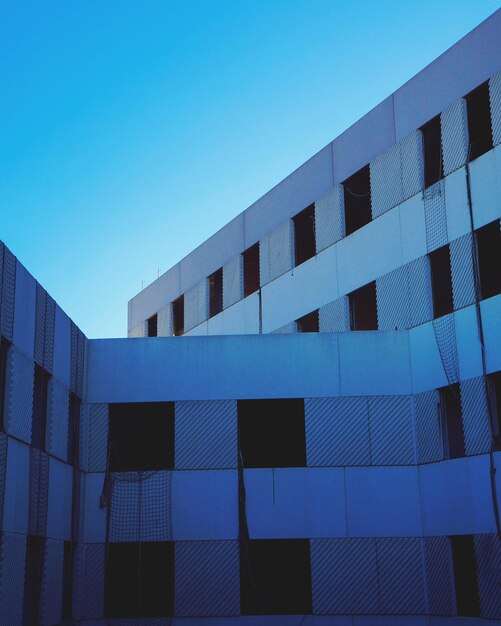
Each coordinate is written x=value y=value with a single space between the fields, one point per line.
x=250 y=262
x=433 y=162
x=357 y=200
x=360 y=319
x=478 y=111
x=304 y=235
x=178 y=316
x=488 y=242
x=215 y=282
x=441 y=281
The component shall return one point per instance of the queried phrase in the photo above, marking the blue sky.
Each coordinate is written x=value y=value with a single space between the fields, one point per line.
x=130 y=131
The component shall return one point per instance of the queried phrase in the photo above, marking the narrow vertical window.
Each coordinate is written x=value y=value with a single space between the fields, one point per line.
x=216 y=292
x=67 y=608
x=432 y=151
x=304 y=235
x=178 y=316
x=479 y=121
x=441 y=281
x=40 y=399
x=308 y=323
x=489 y=259
x=465 y=575
x=152 y=326
x=74 y=429
x=357 y=200
x=35 y=547
x=452 y=422
x=494 y=382
x=251 y=269
x=363 y=308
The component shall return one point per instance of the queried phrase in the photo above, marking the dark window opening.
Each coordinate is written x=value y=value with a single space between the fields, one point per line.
x=35 y=547
x=363 y=308
x=465 y=575
x=452 y=422
x=251 y=269
x=479 y=121
x=74 y=429
x=272 y=432
x=308 y=323
x=432 y=151
x=67 y=604
x=178 y=316
x=139 y=579
x=216 y=292
x=494 y=383
x=304 y=235
x=357 y=200
x=441 y=281
x=152 y=325
x=489 y=259
x=4 y=350
x=141 y=436
x=40 y=400
x=275 y=577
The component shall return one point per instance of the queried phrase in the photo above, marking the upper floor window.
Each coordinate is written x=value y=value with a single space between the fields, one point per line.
x=178 y=316
x=309 y=323
x=489 y=259
x=216 y=292
x=452 y=422
x=363 y=308
x=465 y=575
x=251 y=269
x=432 y=151
x=152 y=325
x=479 y=121
x=304 y=235
x=441 y=281
x=357 y=200
x=494 y=381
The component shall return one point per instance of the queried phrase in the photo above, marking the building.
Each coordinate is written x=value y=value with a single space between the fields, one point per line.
x=324 y=450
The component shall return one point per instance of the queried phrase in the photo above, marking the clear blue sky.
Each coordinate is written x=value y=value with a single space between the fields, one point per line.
x=130 y=131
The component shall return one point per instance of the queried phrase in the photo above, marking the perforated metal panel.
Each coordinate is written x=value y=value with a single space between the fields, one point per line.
x=7 y=291
x=264 y=261
x=164 y=321
x=386 y=181
x=38 y=493
x=97 y=437
x=476 y=427
x=428 y=432
x=329 y=218
x=454 y=124
x=3 y=469
x=50 y=328
x=337 y=431
x=19 y=395
x=334 y=317
x=488 y=557
x=445 y=335
x=463 y=285
x=276 y=253
x=344 y=576
x=288 y=329
x=495 y=101
x=411 y=153
x=195 y=305
x=207 y=578
x=420 y=294
x=206 y=434
x=391 y=430
x=393 y=310
x=41 y=299
x=51 y=597
x=12 y=570
x=401 y=579
x=439 y=575
x=233 y=290
x=88 y=591
x=57 y=419
x=435 y=216
x=77 y=355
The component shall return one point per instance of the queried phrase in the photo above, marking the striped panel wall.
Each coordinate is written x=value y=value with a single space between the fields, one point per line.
x=280 y=253
x=288 y=329
x=164 y=321
x=88 y=589
x=7 y=292
x=488 y=557
x=233 y=290
x=393 y=311
x=337 y=431
x=40 y=304
x=444 y=329
x=39 y=493
x=495 y=99
x=391 y=430
x=264 y=261
x=12 y=572
x=3 y=470
x=196 y=305
x=19 y=395
x=463 y=282
x=401 y=580
x=435 y=216
x=206 y=434
x=207 y=578
x=420 y=295
x=386 y=181
x=51 y=596
x=476 y=427
x=334 y=317
x=81 y=341
x=329 y=218
x=428 y=431
x=57 y=419
x=454 y=124
x=77 y=355
x=411 y=154
x=344 y=576
x=50 y=329
x=439 y=575
x=97 y=436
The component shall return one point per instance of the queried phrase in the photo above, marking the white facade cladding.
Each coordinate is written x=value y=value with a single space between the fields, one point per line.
x=327 y=452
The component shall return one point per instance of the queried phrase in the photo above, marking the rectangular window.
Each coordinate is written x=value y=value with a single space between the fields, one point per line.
x=178 y=316
x=432 y=151
x=275 y=577
x=4 y=350
x=357 y=200
x=152 y=326
x=308 y=323
x=216 y=292
x=479 y=121
x=272 y=433
x=141 y=436
x=40 y=400
x=139 y=579
x=494 y=383
x=441 y=281
x=363 y=308
x=74 y=429
x=35 y=547
x=465 y=575
x=304 y=235
x=67 y=609
x=489 y=259
x=251 y=269
x=452 y=422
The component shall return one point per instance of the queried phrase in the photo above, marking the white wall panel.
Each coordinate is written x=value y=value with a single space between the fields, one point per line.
x=412 y=228
x=242 y=318
x=456 y=204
